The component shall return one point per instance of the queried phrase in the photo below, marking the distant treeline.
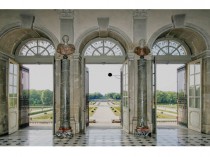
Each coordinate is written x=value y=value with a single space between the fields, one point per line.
x=98 y=95
x=45 y=97
x=166 y=97
x=41 y=97
x=163 y=97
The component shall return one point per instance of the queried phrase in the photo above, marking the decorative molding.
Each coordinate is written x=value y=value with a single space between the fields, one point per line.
x=140 y=14
x=178 y=20
x=27 y=21
x=131 y=56
x=66 y=13
x=103 y=23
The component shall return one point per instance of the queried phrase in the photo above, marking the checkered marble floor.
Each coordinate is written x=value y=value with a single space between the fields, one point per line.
x=114 y=136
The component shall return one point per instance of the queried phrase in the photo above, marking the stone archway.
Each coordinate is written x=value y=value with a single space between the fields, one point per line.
x=195 y=38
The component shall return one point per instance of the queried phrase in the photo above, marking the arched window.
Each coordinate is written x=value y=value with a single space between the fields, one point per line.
x=103 y=47
x=169 y=47
x=37 y=47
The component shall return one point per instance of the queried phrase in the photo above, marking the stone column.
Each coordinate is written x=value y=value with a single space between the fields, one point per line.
x=142 y=127
x=65 y=97
x=142 y=93
x=205 y=122
x=65 y=128
x=63 y=56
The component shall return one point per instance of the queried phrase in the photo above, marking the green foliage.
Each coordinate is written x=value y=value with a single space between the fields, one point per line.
x=40 y=97
x=95 y=95
x=166 y=97
x=47 y=97
x=98 y=95
x=38 y=112
x=115 y=96
x=35 y=97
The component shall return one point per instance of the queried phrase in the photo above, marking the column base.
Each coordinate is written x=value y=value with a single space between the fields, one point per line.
x=143 y=131
x=64 y=133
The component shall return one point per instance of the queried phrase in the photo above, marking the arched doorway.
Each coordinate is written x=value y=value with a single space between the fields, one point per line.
x=97 y=52
x=22 y=46
x=177 y=45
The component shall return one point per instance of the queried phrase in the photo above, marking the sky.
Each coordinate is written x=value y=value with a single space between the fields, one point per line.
x=41 y=77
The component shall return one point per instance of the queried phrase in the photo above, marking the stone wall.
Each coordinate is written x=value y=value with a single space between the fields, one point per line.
x=3 y=99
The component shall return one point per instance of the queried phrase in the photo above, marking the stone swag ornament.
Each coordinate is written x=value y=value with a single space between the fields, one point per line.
x=64 y=51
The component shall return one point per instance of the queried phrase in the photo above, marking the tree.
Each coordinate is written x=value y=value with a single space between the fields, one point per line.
x=116 y=96
x=35 y=97
x=47 y=97
x=166 y=97
x=95 y=95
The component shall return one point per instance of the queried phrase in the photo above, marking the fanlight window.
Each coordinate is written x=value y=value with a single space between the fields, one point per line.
x=168 y=47
x=37 y=48
x=103 y=47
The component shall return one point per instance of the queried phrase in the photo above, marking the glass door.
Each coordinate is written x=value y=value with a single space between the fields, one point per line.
x=194 y=95
x=13 y=96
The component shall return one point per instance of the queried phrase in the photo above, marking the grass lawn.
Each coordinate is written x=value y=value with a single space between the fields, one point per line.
x=165 y=116
x=167 y=111
x=167 y=105
x=43 y=118
x=116 y=110
x=92 y=111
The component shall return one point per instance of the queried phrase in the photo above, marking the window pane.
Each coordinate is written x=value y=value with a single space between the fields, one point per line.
x=11 y=102
x=51 y=50
x=96 y=53
x=173 y=44
x=165 y=50
x=23 y=51
x=14 y=91
x=197 y=103
x=15 y=69
x=15 y=102
x=111 y=53
x=45 y=53
x=192 y=91
x=191 y=69
x=171 y=48
x=11 y=68
x=10 y=91
x=155 y=50
x=34 y=50
x=89 y=51
x=197 y=68
x=15 y=80
x=43 y=43
x=181 y=50
x=30 y=53
x=104 y=47
x=197 y=79
x=197 y=90
x=98 y=44
x=192 y=103
x=43 y=47
x=10 y=79
x=40 y=50
x=191 y=80
x=109 y=44
x=175 y=53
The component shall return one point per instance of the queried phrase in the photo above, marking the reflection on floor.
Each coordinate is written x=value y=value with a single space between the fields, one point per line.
x=100 y=136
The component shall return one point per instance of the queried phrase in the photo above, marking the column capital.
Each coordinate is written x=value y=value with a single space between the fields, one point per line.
x=204 y=54
x=77 y=56
x=140 y=14
x=131 y=56
x=66 y=13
